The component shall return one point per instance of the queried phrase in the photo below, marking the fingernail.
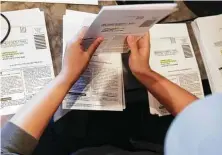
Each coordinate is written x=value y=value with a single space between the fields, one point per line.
x=131 y=38
x=100 y=39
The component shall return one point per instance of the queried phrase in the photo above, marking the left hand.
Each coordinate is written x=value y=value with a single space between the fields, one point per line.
x=76 y=60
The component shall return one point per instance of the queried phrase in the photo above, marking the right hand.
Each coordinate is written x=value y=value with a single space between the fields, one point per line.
x=76 y=60
x=140 y=54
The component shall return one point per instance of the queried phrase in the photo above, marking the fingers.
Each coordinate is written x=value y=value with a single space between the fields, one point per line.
x=144 y=42
x=92 y=48
x=132 y=43
x=82 y=33
x=144 y=45
x=147 y=36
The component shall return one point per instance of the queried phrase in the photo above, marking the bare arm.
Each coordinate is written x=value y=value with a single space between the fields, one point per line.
x=35 y=115
x=173 y=97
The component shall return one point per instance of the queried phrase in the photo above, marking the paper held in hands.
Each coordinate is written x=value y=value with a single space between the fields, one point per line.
x=114 y=23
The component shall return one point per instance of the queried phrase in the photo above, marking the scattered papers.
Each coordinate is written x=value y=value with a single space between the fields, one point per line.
x=208 y=32
x=90 y=2
x=25 y=62
x=173 y=57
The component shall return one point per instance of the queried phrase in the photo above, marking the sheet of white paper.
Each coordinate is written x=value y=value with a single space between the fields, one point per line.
x=114 y=23
x=208 y=31
x=74 y=26
x=25 y=62
x=173 y=57
x=100 y=87
x=91 y=2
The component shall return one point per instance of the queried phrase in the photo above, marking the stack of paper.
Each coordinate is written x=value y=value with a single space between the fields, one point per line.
x=173 y=57
x=208 y=32
x=25 y=62
x=101 y=87
x=91 y=2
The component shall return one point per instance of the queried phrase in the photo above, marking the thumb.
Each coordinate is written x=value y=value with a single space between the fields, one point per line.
x=82 y=33
x=92 y=48
x=132 y=43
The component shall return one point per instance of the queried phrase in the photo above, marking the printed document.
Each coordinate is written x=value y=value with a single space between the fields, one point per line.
x=101 y=86
x=173 y=57
x=208 y=31
x=114 y=23
x=25 y=60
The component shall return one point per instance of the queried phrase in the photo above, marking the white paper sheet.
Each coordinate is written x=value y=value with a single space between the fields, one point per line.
x=91 y=2
x=104 y=74
x=208 y=31
x=173 y=57
x=25 y=62
x=114 y=23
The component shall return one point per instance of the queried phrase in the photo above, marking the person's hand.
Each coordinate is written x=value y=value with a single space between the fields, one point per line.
x=76 y=60
x=140 y=54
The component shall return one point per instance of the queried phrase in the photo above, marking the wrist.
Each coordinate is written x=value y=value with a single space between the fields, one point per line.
x=67 y=78
x=143 y=74
x=142 y=71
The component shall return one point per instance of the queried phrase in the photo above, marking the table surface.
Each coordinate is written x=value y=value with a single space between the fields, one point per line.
x=54 y=13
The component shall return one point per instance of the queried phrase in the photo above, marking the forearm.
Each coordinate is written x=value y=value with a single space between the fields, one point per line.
x=173 y=97
x=35 y=115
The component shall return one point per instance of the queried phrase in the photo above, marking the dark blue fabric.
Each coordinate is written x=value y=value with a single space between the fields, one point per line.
x=15 y=141
x=82 y=129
